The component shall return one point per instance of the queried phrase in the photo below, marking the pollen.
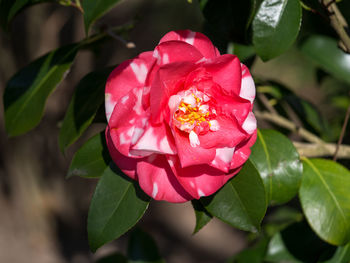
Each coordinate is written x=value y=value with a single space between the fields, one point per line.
x=194 y=113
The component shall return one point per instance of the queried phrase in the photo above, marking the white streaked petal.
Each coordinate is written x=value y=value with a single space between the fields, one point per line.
x=190 y=37
x=194 y=141
x=155 y=190
x=140 y=71
x=247 y=89
x=249 y=125
x=214 y=125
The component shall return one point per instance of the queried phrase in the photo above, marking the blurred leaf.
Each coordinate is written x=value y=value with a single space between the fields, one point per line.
x=26 y=92
x=202 y=215
x=116 y=206
x=323 y=51
x=275 y=27
x=142 y=248
x=325 y=199
x=241 y=202
x=254 y=254
x=243 y=52
x=296 y=243
x=342 y=255
x=279 y=166
x=91 y=159
x=87 y=98
x=94 y=9
x=113 y=258
x=280 y=219
x=10 y=8
x=227 y=20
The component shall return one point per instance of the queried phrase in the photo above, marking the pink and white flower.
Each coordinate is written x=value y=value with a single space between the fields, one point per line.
x=180 y=118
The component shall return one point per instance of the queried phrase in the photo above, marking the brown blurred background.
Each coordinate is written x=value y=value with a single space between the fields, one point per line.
x=43 y=215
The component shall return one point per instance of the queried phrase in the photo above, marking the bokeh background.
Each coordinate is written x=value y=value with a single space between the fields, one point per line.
x=42 y=214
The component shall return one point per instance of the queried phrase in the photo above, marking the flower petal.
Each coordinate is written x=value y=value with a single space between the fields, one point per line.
x=188 y=154
x=158 y=181
x=200 y=41
x=242 y=152
x=128 y=118
x=199 y=180
x=226 y=71
x=126 y=164
x=128 y=75
x=155 y=139
x=247 y=86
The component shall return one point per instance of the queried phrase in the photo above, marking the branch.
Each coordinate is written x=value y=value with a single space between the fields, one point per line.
x=316 y=148
x=328 y=149
x=283 y=122
x=338 y=23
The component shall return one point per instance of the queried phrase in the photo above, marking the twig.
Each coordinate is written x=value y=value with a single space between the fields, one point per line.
x=264 y=100
x=328 y=149
x=283 y=122
x=120 y=39
x=346 y=120
x=338 y=23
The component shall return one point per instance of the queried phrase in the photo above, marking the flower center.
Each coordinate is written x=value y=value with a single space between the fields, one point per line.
x=195 y=113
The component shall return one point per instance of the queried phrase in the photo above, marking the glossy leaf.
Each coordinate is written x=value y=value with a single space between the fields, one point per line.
x=10 y=8
x=116 y=206
x=342 y=255
x=297 y=243
x=202 y=215
x=243 y=52
x=142 y=248
x=26 y=92
x=91 y=159
x=279 y=166
x=241 y=202
x=253 y=254
x=325 y=199
x=87 y=98
x=275 y=27
x=94 y=9
x=324 y=51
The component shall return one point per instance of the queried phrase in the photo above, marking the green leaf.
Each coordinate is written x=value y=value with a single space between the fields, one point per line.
x=241 y=202
x=116 y=206
x=91 y=159
x=253 y=254
x=275 y=27
x=113 y=258
x=324 y=51
x=279 y=166
x=87 y=98
x=10 y=8
x=243 y=52
x=94 y=9
x=325 y=199
x=297 y=243
x=342 y=255
x=27 y=91
x=142 y=248
x=202 y=215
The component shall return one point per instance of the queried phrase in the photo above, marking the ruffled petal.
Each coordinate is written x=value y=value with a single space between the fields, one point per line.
x=126 y=164
x=200 y=41
x=127 y=121
x=155 y=139
x=175 y=51
x=228 y=134
x=226 y=71
x=128 y=75
x=188 y=154
x=199 y=180
x=247 y=86
x=168 y=81
x=242 y=152
x=158 y=181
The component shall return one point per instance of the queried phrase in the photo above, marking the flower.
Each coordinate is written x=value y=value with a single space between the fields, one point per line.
x=180 y=118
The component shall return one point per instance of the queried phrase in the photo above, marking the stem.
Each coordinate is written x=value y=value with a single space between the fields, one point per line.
x=328 y=149
x=338 y=23
x=342 y=133
x=283 y=122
